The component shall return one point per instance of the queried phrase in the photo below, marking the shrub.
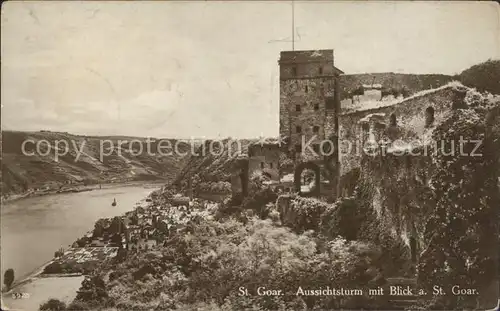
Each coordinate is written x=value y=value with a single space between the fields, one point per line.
x=8 y=278
x=342 y=219
x=143 y=271
x=93 y=289
x=305 y=213
x=53 y=305
x=78 y=306
x=53 y=268
x=258 y=201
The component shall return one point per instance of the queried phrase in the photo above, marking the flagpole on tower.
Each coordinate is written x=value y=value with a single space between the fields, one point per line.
x=293 y=26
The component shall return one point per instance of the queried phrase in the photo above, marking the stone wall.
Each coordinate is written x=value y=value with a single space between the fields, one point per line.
x=306 y=64
x=410 y=116
x=303 y=114
x=399 y=177
x=398 y=185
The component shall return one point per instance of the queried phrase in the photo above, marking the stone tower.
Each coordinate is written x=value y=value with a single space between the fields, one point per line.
x=309 y=110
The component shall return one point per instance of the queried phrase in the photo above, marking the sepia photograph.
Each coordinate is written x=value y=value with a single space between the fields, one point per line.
x=250 y=155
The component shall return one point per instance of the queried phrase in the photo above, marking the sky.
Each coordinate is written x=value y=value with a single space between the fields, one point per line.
x=209 y=69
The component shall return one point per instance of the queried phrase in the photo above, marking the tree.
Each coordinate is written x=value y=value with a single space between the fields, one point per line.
x=93 y=289
x=116 y=240
x=8 y=278
x=134 y=219
x=98 y=229
x=53 y=305
x=59 y=253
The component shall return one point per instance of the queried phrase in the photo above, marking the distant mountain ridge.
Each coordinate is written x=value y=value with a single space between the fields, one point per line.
x=83 y=164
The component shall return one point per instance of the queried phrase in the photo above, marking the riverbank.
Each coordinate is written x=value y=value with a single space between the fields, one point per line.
x=80 y=188
x=71 y=215
x=40 y=289
x=29 y=278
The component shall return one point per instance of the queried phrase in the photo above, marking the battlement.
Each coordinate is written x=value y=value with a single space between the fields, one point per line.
x=307 y=64
x=309 y=56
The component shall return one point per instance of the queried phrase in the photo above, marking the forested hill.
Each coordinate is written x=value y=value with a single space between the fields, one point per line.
x=485 y=77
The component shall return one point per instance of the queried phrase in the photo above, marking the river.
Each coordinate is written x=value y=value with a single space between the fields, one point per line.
x=33 y=229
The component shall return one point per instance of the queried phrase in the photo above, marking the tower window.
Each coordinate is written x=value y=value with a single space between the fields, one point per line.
x=320 y=70
x=306 y=89
x=298 y=129
x=271 y=165
x=315 y=129
x=316 y=107
x=262 y=165
x=294 y=71
x=297 y=108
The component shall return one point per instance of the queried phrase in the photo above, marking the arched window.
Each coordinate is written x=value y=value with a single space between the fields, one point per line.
x=393 y=120
x=429 y=116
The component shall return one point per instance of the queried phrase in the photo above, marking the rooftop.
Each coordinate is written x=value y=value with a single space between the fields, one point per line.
x=308 y=56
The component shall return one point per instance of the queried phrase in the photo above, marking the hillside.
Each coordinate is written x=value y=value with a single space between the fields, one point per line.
x=485 y=77
x=207 y=167
x=414 y=82
x=83 y=164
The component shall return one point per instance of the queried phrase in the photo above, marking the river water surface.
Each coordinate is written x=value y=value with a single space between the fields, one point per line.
x=33 y=229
